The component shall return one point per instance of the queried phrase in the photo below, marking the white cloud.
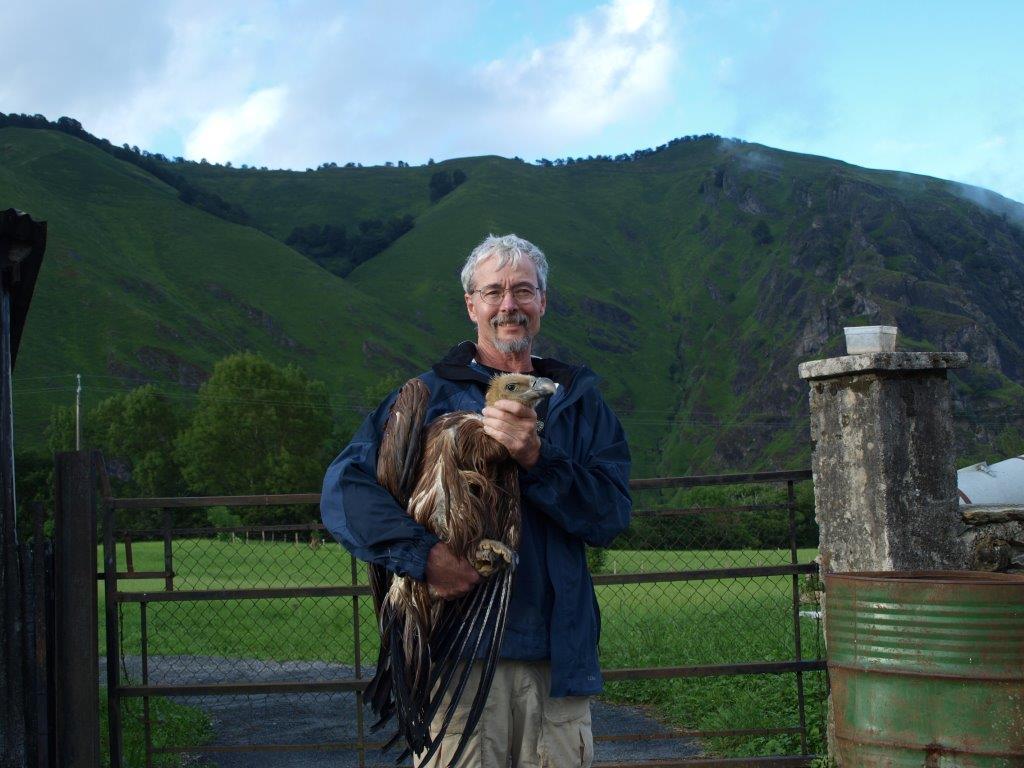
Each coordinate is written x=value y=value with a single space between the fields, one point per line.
x=617 y=61
x=234 y=132
x=318 y=81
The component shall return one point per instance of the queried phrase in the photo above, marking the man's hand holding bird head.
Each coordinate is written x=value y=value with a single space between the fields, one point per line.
x=510 y=416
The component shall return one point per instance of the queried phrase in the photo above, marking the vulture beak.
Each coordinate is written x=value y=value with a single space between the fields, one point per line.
x=540 y=389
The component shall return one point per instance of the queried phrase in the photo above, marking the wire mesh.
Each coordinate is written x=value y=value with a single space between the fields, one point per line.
x=668 y=591
x=710 y=607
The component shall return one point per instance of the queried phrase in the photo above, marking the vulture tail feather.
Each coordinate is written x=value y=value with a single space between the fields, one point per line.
x=487 y=674
x=467 y=670
x=428 y=706
x=414 y=717
x=398 y=689
x=453 y=648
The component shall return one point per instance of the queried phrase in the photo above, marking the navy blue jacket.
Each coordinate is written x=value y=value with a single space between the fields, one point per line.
x=576 y=493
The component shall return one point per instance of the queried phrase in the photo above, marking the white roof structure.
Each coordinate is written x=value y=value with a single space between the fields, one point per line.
x=999 y=483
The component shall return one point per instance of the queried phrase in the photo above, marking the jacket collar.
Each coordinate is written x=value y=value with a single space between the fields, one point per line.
x=457 y=365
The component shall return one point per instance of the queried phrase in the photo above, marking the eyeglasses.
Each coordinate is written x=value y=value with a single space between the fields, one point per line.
x=521 y=294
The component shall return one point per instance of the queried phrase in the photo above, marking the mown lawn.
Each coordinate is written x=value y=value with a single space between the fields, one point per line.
x=660 y=624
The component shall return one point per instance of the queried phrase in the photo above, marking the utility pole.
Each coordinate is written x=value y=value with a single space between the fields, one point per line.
x=78 y=413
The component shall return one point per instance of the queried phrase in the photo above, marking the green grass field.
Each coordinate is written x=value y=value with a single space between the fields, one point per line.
x=173 y=724
x=660 y=624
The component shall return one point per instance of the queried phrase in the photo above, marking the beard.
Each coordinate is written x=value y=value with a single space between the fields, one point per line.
x=514 y=346
x=511 y=346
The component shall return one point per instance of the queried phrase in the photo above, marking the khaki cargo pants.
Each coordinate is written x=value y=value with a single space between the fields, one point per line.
x=521 y=726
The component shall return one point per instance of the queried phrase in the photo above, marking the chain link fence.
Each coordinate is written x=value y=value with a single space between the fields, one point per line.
x=230 y=638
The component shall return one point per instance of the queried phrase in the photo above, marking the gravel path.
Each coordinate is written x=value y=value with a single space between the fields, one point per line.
x=323 y=718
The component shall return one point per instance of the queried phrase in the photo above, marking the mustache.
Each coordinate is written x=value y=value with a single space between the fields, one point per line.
x=509 y=318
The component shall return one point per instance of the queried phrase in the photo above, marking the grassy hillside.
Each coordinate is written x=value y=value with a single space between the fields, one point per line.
x=136 y=286
x=278 y=201
x=693 y=278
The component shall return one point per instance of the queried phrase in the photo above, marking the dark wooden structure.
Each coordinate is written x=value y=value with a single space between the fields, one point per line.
x=22 y=243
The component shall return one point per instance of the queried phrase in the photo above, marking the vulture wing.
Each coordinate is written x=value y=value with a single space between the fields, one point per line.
x=463 y=486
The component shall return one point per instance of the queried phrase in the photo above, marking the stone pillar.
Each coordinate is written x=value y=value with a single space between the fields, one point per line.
x=884 y=464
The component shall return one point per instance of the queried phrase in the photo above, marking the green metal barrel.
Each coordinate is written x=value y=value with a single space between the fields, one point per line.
x=927 y=668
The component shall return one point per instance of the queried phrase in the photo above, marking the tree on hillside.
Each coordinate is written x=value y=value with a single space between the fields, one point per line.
x=257 y=428
x=340 y=252
x=443 y=182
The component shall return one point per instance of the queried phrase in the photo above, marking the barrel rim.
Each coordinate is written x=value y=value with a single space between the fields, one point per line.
x=935 y=577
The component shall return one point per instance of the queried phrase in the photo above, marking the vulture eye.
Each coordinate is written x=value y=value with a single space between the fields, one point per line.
x=510 y=387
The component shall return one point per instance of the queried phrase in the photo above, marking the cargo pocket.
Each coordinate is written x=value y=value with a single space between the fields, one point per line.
x=458 y=723
x=566 y=738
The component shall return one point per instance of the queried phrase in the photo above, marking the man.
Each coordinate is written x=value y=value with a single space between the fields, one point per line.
x=574 y=471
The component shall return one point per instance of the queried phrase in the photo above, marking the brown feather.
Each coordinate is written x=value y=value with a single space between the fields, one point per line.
x=463 y=486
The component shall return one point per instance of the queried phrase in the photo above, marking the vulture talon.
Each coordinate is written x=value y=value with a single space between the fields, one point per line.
x=491 y=555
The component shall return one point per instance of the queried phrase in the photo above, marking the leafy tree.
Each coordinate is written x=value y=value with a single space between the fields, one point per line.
x=257 y=428
x=1008 y=443
x=339 y=252
x=136 y=432
x=60 y=430
x=440 y=185
x=443 y=182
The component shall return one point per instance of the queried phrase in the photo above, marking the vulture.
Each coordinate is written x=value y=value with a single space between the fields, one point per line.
x=463 y=486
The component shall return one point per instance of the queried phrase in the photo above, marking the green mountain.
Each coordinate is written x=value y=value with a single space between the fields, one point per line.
x=693 y=277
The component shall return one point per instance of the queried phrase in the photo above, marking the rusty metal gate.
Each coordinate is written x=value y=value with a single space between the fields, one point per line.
x=267 y=630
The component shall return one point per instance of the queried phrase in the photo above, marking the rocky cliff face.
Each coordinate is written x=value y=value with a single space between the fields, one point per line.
x=853 y=247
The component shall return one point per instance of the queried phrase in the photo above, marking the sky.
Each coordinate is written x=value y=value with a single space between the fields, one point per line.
x=925 y=86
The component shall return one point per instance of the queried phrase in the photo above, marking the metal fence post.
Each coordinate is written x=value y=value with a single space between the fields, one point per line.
x=77 y=652
x=797 y=651
x=113 y=635
x=358 y=643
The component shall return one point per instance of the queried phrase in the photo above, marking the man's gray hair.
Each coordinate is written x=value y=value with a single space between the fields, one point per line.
x=509 y=250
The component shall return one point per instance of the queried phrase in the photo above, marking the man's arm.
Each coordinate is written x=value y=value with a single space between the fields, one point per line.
x=367 y=520
x=363 y=516
x=587 y=494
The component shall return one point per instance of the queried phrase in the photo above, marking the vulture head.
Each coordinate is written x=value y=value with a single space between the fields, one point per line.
x=519 y=387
